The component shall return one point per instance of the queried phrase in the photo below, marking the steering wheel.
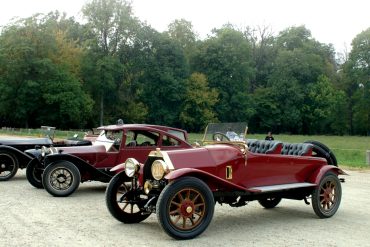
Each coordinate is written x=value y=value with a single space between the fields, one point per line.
x=218 y=136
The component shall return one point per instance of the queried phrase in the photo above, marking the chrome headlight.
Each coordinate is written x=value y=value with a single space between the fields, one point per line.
x=159 y=169
x=131 y=167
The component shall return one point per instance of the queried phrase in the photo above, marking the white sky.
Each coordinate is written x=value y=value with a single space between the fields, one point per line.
x=330 y=21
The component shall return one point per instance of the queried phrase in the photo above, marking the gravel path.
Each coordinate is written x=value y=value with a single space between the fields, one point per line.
x=32 y=217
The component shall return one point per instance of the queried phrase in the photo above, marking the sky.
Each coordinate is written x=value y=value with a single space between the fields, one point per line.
x=330 y=21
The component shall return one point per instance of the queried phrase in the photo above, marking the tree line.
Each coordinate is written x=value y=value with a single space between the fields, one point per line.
x=57 y=71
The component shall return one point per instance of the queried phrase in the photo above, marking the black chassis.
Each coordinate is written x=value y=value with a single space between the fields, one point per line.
x=14 y=155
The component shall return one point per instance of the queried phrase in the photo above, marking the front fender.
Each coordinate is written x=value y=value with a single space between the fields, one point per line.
x=319 y=173
x=214 y=182
x=118 y=168
x=23 y=158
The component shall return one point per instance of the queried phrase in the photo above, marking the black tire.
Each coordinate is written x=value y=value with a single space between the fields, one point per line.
x=189 y=199
x=218 y=136
x=8 y=165
x=34 y=174
x=61 y=178
x=323 y=151
x=327 y=196
x=119 y=206
x=269 y=202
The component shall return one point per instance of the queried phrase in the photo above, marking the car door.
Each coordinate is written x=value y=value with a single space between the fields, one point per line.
x=138 y=143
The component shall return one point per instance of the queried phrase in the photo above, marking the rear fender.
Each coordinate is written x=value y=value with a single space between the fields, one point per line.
x=214 y=182
x=23 y=159
x=319 y=173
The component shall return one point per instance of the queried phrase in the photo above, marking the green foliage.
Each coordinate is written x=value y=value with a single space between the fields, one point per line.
x=356 y=84
x=225 y=60
x=40 y=82
x=197 y=109
x=164 y=82
x=56 y=71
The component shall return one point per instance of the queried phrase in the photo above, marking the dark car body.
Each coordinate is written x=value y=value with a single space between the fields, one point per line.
x=113 y=146
x=12 y=154
x=181 y=186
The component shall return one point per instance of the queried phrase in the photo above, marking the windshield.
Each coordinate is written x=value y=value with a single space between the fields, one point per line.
x=109 y=139
x=226 y=132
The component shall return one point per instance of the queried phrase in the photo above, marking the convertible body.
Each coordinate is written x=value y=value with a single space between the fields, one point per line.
x=181 y=186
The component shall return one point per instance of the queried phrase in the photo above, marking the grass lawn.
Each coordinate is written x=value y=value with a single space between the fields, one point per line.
x=349 y=150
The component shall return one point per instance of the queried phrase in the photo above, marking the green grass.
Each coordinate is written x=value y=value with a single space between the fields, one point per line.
x=349 y=150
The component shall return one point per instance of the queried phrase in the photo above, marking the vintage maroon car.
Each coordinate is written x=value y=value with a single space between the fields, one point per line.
x=182 y=186
x=60 y=170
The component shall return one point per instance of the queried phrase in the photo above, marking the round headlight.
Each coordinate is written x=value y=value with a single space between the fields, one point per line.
x=131 y=166
x=159 y=169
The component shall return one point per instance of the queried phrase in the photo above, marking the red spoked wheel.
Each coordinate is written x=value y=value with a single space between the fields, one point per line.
x=327 y=197
x=185 y=208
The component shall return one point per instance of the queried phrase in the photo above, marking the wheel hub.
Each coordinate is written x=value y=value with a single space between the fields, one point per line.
x=61 y=179
x=187 y=208
x=3 y=166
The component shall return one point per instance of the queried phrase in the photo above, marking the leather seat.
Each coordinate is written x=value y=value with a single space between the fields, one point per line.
x=264 y=147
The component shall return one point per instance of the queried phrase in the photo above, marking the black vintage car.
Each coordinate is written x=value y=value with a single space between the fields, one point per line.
x=12 y=156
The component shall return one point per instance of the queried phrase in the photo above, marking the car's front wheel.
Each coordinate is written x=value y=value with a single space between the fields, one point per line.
x=61 y=178
x=123 y=203
x=327 y=196
x=185 y=208
x=34 y=174
x=8 y=165
x=270 y=202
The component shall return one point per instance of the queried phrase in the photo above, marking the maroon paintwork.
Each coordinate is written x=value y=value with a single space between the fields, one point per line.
x=60 y=170
x=249 y=170
x=183 y=194
x=97 y=157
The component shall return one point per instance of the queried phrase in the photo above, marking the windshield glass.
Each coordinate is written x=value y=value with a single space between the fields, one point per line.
x=109 y=139
x=226 y=132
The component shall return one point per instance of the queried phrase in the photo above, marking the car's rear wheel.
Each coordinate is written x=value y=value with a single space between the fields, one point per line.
x=61 y=178
x=269 y=202
x=124 y=204
x=34 y=174
x=8 y=165
x=327 y=196
x=185 y=208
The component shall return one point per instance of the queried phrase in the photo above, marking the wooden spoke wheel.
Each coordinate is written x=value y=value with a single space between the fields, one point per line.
x=185 y=208
x=326 y=198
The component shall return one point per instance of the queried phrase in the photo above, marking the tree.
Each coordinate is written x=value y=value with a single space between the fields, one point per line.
x=197 y=109
x=298 y=66
x=113 y=26
x=39 y=84
x=182 y=31
x=356 y=83
x=225 y=60
x=164 y=81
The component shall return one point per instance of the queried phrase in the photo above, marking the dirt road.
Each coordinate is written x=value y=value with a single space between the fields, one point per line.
x=32 y=217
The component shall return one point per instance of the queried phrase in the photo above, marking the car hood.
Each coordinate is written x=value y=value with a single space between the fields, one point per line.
x=25 y=141
x=203 y=158
x=82 y=149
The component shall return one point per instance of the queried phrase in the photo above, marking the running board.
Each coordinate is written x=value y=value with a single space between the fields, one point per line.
x=278 y=187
